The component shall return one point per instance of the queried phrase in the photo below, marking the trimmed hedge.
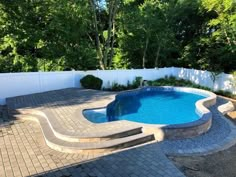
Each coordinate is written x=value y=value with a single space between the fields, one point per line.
x=91 y=82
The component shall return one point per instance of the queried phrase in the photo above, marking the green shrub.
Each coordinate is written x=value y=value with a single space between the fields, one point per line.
x=225 y=93
x=91 y=82
x=233 y=81
x=119 y=87
x=137 y=81
x=172 y=81
x=166 y=81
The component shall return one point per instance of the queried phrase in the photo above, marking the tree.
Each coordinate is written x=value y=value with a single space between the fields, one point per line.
x=107 y=47
x=63 y=35
x=144 y=32
x=222 y=29
x=45 y=35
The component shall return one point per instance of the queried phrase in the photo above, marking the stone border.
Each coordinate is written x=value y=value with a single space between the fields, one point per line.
x=185 y=130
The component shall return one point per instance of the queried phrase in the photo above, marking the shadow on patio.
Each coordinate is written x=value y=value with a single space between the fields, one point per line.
x=143 y=161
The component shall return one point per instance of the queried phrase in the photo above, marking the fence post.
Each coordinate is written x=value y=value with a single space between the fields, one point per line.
x=40 y=81
x=173 y=71
x=192 y=74
x=97 y=73
x=73 y=75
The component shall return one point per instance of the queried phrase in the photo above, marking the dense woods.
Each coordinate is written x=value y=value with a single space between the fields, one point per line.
x=54 y=35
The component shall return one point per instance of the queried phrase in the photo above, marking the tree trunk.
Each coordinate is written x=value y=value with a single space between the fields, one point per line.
x=145 y=51
x=109 y=30
x=157 y=56
x=112 y=46
x=113 y=34
x=98 y=46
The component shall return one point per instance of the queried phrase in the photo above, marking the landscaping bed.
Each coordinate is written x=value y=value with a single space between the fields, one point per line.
x=167 y=81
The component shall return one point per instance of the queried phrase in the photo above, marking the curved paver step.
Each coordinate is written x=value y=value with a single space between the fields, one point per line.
x=76 y=147
x=95 y=136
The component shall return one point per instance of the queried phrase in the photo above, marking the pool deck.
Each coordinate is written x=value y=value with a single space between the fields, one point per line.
x=60 y=115
x=24 y=152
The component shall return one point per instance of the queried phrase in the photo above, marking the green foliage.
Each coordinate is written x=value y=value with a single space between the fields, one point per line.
x=172 y=81
x=119 y=61
x=225 y=93
x=233 y=81
x=54 y=35
x=137 y=81
x=45 y=35
x=206 y=32
x=91 y=82
x=119 y=87
x=144 y=29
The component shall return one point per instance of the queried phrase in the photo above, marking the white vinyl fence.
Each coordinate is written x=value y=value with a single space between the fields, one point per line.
x=15 y=84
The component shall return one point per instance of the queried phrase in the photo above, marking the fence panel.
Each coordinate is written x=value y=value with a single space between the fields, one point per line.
x=56 y=80
x=14 y=84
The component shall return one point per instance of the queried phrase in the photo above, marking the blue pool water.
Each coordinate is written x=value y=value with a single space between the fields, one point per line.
x=96 y=115
x=153 y=107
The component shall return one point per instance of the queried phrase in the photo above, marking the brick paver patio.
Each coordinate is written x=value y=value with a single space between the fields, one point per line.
x=23 y=151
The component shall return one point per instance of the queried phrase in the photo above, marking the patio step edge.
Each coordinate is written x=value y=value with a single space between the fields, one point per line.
x=95 y=147
x=75 y=136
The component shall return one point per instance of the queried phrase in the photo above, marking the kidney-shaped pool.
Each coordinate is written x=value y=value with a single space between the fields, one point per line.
x=155 y=107
x=172 y=107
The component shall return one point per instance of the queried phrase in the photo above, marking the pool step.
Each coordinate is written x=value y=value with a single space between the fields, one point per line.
x=95 y=147
x=65 y=135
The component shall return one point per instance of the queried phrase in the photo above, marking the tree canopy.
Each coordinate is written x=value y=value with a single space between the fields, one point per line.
x=59 y=35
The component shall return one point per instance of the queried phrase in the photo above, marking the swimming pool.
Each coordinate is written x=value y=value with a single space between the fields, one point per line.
x=175 y=108
x=155 y=107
